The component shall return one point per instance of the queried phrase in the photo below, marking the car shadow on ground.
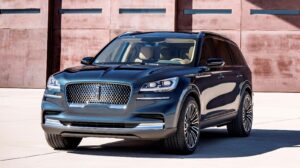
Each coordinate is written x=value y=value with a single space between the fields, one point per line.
x=214 y=143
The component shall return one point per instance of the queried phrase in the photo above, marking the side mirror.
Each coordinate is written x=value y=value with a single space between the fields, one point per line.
x=215 y=62
x=87 y=60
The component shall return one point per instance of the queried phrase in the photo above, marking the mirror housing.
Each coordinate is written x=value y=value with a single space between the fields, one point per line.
x=215 y=62
x=87 y=60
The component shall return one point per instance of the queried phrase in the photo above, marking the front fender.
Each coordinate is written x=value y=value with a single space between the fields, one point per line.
x=189 y=90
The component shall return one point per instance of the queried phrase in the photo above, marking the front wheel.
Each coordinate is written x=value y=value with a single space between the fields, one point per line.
x=186 y=138
x=242 y=124
x=59 y=142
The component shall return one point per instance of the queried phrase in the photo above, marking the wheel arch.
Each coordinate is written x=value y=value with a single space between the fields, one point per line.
x=246 y=87
x=192 y=91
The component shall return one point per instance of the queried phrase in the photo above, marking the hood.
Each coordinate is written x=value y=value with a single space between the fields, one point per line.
x=124 y=73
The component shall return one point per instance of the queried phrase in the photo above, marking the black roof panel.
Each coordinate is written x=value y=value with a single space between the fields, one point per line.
x=162 y=34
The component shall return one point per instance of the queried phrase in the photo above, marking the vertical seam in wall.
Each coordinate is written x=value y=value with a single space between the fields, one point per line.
x=49 y=64
x=241 y=18
x=110 y=16
x=176 y=16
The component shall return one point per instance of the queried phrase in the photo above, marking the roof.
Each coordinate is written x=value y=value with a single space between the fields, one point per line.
x=218 y=36
x=161 y=34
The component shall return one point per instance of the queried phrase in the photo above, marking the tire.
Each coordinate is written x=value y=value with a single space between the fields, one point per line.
x=60 y=143
x=241 y=126
x=186 y=138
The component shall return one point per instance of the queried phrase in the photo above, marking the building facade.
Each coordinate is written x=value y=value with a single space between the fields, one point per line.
x=40 y=37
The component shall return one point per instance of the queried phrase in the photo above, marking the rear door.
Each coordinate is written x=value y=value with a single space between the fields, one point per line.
x=230 y=88
x=219 y=86
x=239 y=69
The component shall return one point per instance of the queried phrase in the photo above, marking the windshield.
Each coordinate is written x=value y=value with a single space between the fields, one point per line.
x=154 y=50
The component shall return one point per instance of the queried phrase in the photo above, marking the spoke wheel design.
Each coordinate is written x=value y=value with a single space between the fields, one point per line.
x=247 y=113
x=241 y=125
x=186 y=137
x=191 y=125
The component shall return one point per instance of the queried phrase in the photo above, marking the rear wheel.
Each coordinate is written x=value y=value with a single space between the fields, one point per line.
x=59 y=142
x=242 y=124
x=186 y=139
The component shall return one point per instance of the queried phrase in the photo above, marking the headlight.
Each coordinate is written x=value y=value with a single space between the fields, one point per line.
x=165 y=85
x=53 y=83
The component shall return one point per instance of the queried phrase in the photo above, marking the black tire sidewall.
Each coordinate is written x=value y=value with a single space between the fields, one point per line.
x=240 y=114
x=180 y=131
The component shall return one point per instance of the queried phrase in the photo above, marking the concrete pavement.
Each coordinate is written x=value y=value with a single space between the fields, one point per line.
x=275 y=141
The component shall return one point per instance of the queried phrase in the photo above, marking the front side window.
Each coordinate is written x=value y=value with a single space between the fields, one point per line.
x=148 y=50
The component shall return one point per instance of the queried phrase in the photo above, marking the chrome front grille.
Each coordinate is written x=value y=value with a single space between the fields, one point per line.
x=101 y=93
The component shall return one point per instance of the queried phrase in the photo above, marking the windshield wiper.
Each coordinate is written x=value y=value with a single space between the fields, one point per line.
x=152 y=64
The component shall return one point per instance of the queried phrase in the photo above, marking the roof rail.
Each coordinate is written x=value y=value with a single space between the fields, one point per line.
x=130 y=33
x=200 y=34
x=219 y=36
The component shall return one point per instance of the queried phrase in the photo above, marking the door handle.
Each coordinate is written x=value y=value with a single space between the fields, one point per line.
x=239 y=75
x=221 y=76
x=204 y=75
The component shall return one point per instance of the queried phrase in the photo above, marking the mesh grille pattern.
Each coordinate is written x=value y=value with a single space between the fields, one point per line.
x=104 y=93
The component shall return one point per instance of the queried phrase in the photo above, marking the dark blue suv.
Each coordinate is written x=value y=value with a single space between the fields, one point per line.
x=151 y=85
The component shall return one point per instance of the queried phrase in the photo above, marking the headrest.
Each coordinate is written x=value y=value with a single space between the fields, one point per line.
x=190 y=54
x=165 y=53
x=146 y=53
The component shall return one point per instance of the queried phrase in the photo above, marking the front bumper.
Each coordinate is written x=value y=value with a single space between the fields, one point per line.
x=142 y=110
x=141 y=131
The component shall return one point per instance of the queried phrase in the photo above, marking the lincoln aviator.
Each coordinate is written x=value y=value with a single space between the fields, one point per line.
x=164 y=86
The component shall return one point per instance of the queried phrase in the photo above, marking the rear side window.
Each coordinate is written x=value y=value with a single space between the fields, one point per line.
x=236 y=55
x=214 y=48
x=207 y=51
x=222 y=51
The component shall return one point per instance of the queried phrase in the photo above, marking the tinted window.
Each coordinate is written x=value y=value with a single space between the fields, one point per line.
x=207 y=51
x=222 y=51
x=148 y=50
x=236 y=55
x=214 y=48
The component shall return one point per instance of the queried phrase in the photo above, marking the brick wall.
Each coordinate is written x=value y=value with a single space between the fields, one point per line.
x=84 y=32
x=23 y=43
x=268 y=32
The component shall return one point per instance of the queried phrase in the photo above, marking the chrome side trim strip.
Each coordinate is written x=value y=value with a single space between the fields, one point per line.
x=53 y=96
x=203 y=76
x=152 y=98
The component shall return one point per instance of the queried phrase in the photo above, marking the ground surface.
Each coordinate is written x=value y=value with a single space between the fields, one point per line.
x=275 y=141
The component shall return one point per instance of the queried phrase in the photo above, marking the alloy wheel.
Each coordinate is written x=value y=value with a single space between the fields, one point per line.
x=247 y=113
x=191 y=125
